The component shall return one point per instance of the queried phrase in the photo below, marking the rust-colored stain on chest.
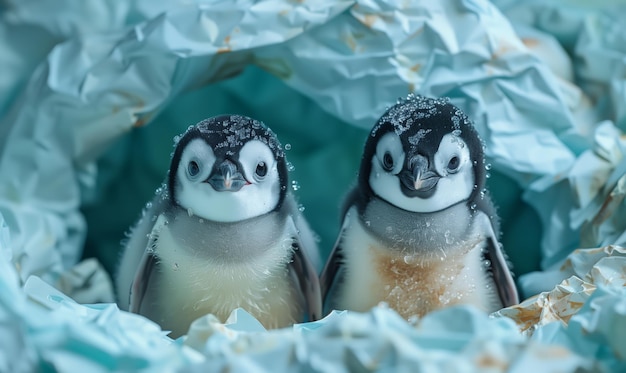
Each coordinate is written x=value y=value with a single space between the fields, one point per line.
x=413 y=287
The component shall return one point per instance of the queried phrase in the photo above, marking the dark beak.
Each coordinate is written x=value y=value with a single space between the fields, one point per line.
x=419 y=180
x=226 y=177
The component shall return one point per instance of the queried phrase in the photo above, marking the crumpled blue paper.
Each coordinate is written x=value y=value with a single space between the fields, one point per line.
x=44 y=330
x=50 y=332
x=93 y=93
x=596 y=330
x=583 y=272
x=459 y=339
x=593 y=34
x=100 y=85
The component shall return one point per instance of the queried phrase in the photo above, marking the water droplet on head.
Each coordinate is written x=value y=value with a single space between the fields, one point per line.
x=456 y=133
x=473 y=206
x=300 y=208
x=287 y=146
x=295 y=185
x=487 y=175
x=488 y=166
x=148 y=205
x=290 y=166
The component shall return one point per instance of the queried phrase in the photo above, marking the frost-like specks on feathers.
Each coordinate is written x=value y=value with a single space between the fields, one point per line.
x=234 y=131
x=406 y=111
x=421 y=133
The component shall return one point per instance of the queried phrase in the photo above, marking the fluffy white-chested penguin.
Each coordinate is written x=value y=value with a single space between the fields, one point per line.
x=419 y=230
x=222 y=232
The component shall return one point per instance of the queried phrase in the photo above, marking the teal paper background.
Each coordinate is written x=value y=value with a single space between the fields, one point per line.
x=325 y=153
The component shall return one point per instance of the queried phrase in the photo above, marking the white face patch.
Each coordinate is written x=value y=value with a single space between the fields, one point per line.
x=258 y=197
x=452 y=162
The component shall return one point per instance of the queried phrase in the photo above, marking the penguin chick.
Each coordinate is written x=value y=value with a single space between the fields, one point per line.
x=419 y=230
x=222 y=232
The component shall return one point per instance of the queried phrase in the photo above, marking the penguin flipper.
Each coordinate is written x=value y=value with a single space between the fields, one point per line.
x=502 y=277
x=305 y=235
x=141 y=282
x=133 y=250
x=146 y=266
x=305 y=259
x=333 y=272
x=308 y=283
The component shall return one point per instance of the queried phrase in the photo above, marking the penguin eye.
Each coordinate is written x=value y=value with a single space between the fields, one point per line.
x=261 y=170
x=193 y=169
x=387 y=161
x=453 y=164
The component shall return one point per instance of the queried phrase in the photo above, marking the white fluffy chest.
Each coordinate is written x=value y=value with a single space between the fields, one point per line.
x=411 y=285
x=195 y=284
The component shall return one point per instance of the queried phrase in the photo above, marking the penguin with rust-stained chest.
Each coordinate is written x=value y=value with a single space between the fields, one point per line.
x=419 y=229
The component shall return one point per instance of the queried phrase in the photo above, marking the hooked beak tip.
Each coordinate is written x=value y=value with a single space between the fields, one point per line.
x=420 y=181
x=228 y=180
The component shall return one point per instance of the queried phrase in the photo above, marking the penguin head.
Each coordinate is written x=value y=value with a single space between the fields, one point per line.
x=423 y=155
x=228 y=168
